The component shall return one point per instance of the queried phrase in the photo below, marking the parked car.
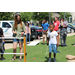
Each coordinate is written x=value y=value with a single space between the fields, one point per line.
x=71 y=25
x=7 y=28
x=38 y=30
x=69 y=30
x=33 y=33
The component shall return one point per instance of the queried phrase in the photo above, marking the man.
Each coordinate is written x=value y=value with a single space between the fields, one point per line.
x=1 y=44
x=63 y=32
x=45 y=30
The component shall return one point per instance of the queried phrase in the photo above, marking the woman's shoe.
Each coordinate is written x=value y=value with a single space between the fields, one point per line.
x=20 y=59
x=13 y=59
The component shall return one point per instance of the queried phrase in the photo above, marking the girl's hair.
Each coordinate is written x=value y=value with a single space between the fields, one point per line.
x=16 y=21
x=28 y=24
x=57 y=18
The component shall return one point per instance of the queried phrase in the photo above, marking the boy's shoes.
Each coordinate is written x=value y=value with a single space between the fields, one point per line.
x=54 y=60
x=65 y=45
x=62 y=45
x=49 y=60
x=2 y=58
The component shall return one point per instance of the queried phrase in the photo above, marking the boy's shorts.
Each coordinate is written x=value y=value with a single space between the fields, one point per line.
x=53 y=48
x=17 y=40
x=45 y=34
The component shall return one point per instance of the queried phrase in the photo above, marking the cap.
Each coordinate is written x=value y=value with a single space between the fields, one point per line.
x=17 y=13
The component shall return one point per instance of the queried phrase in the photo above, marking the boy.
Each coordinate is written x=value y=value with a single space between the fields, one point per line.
x=45 y=26
x=53 y=42
x=1 y=44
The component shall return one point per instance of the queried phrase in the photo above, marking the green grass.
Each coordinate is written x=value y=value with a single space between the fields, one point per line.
x=38 y=52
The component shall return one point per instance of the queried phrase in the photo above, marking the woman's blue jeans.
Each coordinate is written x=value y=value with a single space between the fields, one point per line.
x=28 y=36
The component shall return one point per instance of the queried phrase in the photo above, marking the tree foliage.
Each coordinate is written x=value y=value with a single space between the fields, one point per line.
x=41 y=15
x=26 y=16
x=67 y=14
x=6 y=15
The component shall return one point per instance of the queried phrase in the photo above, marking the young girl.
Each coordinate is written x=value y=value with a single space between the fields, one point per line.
x=28 y=32
x=53 y=42
x=56 y=26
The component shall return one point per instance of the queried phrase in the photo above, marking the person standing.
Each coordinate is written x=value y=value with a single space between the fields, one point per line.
x=1 y=44
x=63 y=32
x=56 y=24
x=45 y=26
x=18 y=29
x=28 y=32
x=53 y=42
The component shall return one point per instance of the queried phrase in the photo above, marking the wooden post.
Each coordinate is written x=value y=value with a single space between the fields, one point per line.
x=24 y=49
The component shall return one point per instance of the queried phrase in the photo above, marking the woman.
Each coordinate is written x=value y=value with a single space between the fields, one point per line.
x=56 y=24
x=18 y=28
x=28 y=32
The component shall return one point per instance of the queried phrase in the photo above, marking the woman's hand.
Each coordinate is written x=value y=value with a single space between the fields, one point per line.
x=15 y=32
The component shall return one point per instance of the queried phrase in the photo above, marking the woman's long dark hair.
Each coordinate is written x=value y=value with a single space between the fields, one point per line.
x=28 y=24
x=57 y=18
x=16 y=21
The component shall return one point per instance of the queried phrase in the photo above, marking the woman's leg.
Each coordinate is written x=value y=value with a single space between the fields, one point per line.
x=21 y=48
x=14 y=49
x=26 y=37
x=29 y=37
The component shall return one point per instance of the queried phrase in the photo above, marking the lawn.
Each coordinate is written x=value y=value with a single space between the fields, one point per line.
x=38 y=52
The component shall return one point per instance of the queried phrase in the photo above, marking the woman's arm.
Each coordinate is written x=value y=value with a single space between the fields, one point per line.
x=13 y=29
x=24 y=27
x=30 y=30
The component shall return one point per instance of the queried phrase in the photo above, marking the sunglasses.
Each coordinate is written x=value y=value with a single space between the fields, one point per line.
x=17 y=15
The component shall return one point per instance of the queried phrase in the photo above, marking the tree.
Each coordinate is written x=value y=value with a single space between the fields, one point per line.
x=67 y=14
x=6 y=15
x=41 y=15
x=26 y=16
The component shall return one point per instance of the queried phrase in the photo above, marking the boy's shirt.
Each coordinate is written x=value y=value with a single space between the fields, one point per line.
x=52 y=37
x=1 y=33
x=45 y=26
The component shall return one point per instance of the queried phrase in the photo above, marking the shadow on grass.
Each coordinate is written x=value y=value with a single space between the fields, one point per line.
x=17 y=57
x=48 y=59
x=44 y=43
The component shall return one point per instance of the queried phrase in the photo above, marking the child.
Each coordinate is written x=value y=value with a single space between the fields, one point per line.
x=53 y=42
x=1 y=44
x=28 y=32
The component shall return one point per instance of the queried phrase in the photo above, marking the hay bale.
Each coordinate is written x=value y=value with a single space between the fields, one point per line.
x=70 y=57
x=71 y=60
